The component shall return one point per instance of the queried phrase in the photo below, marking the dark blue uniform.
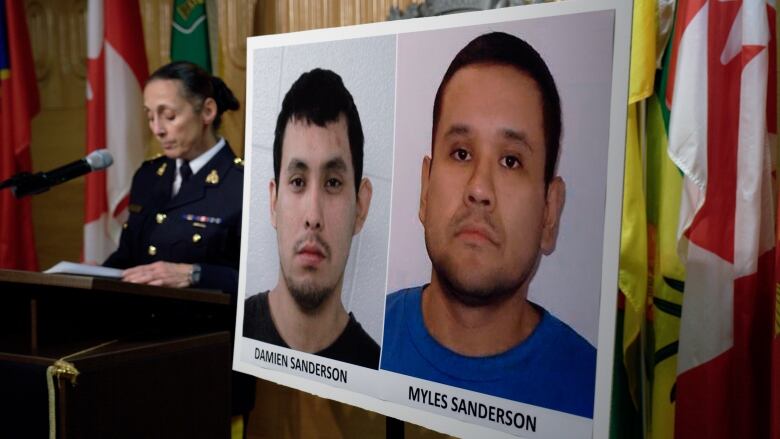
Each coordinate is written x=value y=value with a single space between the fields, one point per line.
x=201 y=224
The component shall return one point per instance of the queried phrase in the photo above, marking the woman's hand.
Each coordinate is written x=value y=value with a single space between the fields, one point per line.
x=159 y=273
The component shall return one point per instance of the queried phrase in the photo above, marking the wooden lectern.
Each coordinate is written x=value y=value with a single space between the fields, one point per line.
x=135 y=360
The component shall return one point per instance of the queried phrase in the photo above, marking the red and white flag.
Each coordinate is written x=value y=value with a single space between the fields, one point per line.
x=19 y=103
x=116 y=71
x=720 y=138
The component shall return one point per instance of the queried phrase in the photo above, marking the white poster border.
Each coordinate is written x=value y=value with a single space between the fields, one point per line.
x=571 y=425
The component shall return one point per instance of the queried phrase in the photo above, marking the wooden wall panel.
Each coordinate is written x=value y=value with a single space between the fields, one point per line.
x=236 y=23
x=57 y=37
x=58 y=215
x=58 y=40
x=75 y=37
x=284 y=413
x=156 y=16
x=297 y=15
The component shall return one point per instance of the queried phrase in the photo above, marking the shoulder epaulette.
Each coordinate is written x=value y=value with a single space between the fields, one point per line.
x=157 y=158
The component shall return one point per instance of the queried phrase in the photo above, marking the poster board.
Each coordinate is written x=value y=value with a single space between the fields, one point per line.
x=392 y=70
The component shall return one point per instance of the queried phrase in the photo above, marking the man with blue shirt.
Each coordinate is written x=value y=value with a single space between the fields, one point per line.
x=490 y=205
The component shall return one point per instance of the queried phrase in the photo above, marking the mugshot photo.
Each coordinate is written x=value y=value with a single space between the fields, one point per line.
x=319 y=197
x=429 y=228
x=499 y=188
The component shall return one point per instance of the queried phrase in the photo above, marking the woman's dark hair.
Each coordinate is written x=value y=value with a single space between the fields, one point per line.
x=197 y=85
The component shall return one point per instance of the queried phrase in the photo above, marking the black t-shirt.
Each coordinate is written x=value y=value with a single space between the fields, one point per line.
x=354 y=345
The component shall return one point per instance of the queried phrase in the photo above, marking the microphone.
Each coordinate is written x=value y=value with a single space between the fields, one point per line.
x=25 y=183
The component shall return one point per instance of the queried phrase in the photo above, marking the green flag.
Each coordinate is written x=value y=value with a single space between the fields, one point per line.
x=190 y=33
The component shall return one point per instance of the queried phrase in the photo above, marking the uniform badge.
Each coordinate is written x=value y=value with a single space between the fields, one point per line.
x=238 y=161
x=202 y=219
x=161 y=169
x=213 y=177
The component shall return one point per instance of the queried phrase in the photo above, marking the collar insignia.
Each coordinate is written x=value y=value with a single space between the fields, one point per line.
x=213 y=177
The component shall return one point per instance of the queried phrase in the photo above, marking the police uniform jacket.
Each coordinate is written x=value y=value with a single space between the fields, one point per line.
x=200 y=224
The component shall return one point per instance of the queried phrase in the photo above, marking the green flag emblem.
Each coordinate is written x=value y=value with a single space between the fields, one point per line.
x=190 y=34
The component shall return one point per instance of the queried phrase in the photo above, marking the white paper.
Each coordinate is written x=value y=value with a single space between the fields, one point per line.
x=64 y=267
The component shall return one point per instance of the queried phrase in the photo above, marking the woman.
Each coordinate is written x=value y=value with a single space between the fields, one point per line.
x=185 y=206
x=184 y=227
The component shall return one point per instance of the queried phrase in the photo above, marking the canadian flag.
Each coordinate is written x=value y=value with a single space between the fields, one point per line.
x=116 y=71
x=19 y=103
x=720 y=137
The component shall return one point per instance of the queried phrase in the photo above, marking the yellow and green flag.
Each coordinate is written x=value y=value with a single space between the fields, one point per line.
x=190 y=33
x=664 y=187
x=632 y=279
x=627 y=398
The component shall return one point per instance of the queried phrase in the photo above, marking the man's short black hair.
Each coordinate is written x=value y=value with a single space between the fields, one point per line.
x=498 y=48
x=320 y=97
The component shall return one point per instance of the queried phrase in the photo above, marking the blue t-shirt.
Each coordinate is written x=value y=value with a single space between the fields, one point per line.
x=553 y=368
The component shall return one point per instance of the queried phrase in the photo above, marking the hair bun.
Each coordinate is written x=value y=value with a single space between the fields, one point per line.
x=224 y=97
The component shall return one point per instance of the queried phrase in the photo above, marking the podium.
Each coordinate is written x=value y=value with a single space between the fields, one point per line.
x=135 y=360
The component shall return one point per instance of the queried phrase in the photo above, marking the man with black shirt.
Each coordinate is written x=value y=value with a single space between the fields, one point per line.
x=319 y=200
